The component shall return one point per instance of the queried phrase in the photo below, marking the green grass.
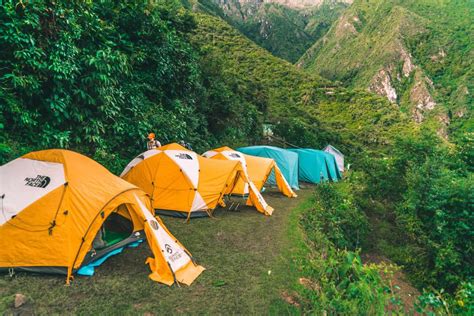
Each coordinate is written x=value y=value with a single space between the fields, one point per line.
x=238 y=250
x=295 y=252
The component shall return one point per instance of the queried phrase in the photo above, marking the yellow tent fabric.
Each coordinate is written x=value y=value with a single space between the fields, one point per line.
x=54 y=202
x=258 y=169
x=181 y=181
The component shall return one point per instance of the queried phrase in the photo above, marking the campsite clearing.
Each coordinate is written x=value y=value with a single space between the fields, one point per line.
x=246 y=256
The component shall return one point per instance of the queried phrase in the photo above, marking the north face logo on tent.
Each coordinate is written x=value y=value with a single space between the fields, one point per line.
x=168 y=249
x=38 y=182
x=184 y=156
x=234 y=155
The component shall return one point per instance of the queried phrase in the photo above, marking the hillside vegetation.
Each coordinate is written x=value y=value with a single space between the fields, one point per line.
x=284 y=30
x=97 y=77
x=418 y=54
x=304 y=109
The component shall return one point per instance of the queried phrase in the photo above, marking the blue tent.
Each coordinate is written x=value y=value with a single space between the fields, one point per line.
x=316 y=165
x=286 y=160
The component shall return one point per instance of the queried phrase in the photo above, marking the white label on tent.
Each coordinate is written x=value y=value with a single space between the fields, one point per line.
x=174 y=254
x=24 y=181
x=147 y=154
x=198 y=203
x=188 y=163
x=210 y=154
x=259 y=196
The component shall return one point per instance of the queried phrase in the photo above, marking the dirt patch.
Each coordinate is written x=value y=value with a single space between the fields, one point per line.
x=310 y=284
x=290 y=299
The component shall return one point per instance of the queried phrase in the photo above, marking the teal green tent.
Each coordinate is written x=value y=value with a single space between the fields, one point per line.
x=316 y=165
x=286 y=160
x=334 y=172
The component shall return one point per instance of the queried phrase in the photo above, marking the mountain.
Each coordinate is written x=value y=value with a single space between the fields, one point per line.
x=302 y=107
x=286 y=28
x=417 y=54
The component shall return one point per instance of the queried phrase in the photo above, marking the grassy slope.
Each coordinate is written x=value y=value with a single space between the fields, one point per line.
x=280 y=30
x=371 y=34
x=354 y=118
x=362 y=50
x=285 y=32
x=237 y=249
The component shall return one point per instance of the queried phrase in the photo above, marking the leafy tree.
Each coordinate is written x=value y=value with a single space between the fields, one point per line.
x=98 y=76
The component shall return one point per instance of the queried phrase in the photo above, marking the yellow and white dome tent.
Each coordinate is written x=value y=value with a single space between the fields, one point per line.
x=258 y=169
x=56 y=203
x=182 y=183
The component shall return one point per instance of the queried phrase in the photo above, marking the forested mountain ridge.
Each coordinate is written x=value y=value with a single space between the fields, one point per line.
x=285 y=28
x=418 y=54
x=304 y=109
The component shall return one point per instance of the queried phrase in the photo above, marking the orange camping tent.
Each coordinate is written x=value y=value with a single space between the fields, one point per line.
x=258 y=169
x=182 y=183
x=62 y=210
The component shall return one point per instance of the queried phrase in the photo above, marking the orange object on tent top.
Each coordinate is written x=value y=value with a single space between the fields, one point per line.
x=258 y=170
x=182 y=183
x=59 y=208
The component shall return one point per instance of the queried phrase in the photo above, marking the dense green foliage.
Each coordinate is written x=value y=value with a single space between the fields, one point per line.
x=334 y=222
x=437 y=211
x=427 y=188
x=80 y=75
x=339 y=282
x=440 y=303
x=97 y=77
x=336 y=215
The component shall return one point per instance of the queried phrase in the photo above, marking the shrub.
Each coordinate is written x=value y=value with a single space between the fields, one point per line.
x=427 y=187
x=341 y=283
x=97 y=76
x=336 y=215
